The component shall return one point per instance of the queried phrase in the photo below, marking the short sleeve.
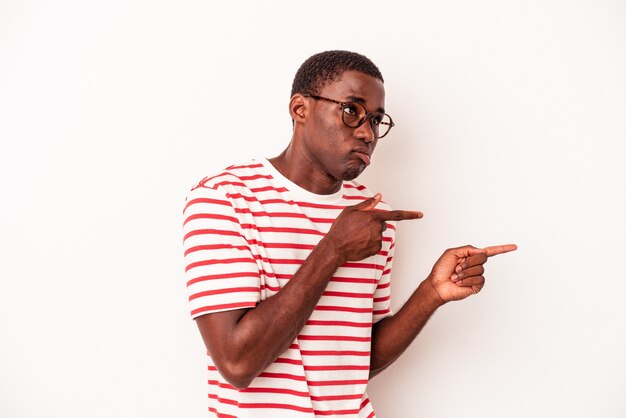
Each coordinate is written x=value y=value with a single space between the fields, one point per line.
x=220 y=270
x=382 y=294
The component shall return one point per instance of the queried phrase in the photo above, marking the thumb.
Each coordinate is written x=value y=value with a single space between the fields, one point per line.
x=368 y=204
x=465 y=251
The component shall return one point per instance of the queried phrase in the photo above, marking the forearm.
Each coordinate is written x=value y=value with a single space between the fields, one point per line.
x=392 y=335
x=261 y=334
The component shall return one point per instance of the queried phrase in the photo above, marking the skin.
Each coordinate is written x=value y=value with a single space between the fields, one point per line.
x=323 y=153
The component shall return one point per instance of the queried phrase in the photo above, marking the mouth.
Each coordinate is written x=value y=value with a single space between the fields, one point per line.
x=363 y=157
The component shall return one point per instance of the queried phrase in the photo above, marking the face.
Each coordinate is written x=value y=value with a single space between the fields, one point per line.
x=338 y=150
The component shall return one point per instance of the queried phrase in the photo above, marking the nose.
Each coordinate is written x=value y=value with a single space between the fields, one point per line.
x=365 y=131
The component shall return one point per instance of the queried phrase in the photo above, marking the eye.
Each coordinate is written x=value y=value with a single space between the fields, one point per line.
x=350 y=109
x=377 y=120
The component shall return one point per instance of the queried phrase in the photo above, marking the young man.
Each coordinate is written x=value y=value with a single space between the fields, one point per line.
x=289 y=259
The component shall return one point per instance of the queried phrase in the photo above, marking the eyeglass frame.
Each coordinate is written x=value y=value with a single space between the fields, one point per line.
x=367 y=116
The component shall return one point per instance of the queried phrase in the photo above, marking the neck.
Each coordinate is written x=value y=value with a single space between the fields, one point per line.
x=304 y=171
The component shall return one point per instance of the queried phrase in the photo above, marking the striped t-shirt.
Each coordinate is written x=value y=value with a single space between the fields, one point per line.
x=247 y=230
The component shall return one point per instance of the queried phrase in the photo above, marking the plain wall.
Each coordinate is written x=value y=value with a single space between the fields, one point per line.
x=511 y=123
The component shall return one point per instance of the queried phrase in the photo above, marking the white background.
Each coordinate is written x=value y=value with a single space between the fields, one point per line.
x=511 y=124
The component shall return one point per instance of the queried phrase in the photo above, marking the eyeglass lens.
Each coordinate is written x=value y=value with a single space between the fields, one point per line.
x=354 y=115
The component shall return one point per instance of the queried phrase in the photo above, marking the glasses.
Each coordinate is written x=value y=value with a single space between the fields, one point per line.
x=354 y=114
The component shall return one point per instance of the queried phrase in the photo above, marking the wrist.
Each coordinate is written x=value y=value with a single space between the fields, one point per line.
x=430 y=296
x=330 y=249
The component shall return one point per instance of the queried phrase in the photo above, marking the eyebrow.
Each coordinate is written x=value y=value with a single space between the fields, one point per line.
x=362 y=101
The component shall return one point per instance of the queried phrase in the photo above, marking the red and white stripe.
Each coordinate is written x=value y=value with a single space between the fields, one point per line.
x=247 y=230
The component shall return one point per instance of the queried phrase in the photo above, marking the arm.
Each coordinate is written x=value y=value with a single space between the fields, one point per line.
x=244 y=342
x=457 y=274
x=392 y=335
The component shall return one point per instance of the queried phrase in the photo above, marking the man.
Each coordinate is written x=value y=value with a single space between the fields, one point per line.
x=289 y=259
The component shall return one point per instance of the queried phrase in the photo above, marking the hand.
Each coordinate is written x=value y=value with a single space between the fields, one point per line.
x=357 y=232
x=459 y=271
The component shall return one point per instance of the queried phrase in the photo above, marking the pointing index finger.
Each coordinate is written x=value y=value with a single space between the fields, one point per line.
x=400 y=215
x=499 y=249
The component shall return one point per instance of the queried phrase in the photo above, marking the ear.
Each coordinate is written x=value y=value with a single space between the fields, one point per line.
x=298 y=108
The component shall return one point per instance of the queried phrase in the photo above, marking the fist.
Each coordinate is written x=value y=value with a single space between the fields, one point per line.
x=357 y=233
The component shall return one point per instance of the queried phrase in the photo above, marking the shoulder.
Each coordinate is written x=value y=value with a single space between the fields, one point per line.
x=220 y=187
x=240 y=178
x=233 y=175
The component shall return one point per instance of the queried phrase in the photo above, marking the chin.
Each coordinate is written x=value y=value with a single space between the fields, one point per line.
x=352 y=171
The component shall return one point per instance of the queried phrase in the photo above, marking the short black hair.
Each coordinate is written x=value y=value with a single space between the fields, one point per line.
x=327 y=66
